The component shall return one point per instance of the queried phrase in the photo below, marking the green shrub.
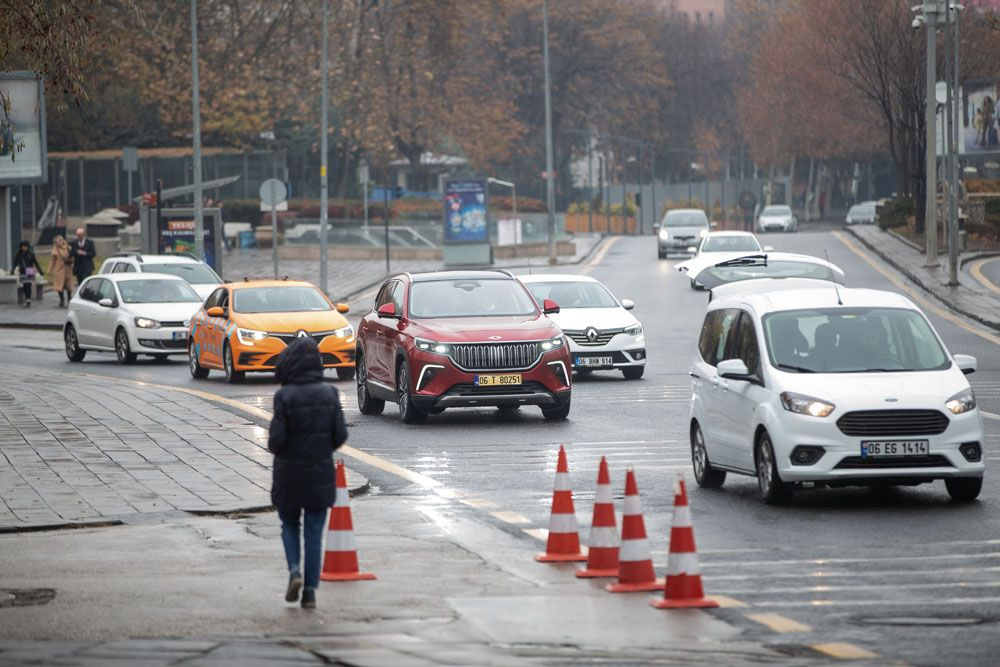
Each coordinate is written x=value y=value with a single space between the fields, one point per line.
x=895 y=213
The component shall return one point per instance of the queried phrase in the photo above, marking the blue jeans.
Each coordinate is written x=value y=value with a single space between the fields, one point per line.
x=312 y=532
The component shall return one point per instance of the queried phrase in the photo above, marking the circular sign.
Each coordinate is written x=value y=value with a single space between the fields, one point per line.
x=273 y=192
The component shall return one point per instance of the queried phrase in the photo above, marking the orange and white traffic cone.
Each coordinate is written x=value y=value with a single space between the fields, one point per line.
x=340 y=562
x=683 y=589
x=563 y=545
x=635 y=563
x=602 y=555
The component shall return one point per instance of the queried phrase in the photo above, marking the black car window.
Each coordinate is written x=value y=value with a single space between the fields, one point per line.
x=106 y=291
x=384 y=294
x=89 y=290
x=744 y=344
x=715 y=334
x=213 y=299
x=120 y=267
x=397 y=297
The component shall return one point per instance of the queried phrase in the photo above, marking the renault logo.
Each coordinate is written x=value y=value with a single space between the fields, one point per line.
x=592 y=334
x=301 y=334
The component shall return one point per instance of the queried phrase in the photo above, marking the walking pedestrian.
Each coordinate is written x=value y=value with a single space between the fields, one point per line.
x=60 y=269
x=307 y=426
x=27 y=265
x=82 y=250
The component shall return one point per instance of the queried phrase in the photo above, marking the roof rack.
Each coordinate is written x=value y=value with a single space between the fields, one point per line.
x=248 y=279
x=504 y=271
x=129 y=253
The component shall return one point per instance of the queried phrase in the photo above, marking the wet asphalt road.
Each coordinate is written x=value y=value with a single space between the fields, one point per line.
x=905 y=573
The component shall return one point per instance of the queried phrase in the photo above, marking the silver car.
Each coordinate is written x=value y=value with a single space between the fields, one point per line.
x=778 y=218
x=682 y=229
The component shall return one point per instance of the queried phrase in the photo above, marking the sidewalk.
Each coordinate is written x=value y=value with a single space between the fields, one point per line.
x=79 y=450
x=969 y=298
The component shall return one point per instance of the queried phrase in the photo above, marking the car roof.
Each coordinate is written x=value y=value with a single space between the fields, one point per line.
x=247 y=283
x=461 y=275
x=686 y=210
x=775 y=300
x=773 y=206
x=121 y=277
x=729 y=233
x=557 y=278
x=157 y=259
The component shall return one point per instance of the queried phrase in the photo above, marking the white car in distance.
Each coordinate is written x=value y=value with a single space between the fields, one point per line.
x=723 y=245
x=777 y=218
x=198 y=274
x=130 y=314
x=602 y=333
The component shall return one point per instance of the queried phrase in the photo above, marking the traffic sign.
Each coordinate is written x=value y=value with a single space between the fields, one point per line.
x=272 y=192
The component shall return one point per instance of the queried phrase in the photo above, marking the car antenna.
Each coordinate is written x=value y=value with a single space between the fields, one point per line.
x=836 y=289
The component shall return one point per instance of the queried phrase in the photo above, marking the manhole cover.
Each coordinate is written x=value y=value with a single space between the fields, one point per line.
x=26 y=597
x=924 y=620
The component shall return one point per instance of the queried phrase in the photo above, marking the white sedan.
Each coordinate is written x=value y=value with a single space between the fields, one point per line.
x=777 y=218
x=130 y=314
x=602 y=333
x=723 y=245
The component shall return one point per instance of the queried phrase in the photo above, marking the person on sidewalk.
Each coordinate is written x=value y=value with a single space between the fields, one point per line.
x=307 y=426
x=27 y=265
x=83 y=252
x=60 y=269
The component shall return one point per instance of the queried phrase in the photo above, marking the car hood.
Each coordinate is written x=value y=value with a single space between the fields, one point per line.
x=871 y=391
x=329 y=320
x=164 y=312
x=685 y=231
x=578 y=319
x=485 y=329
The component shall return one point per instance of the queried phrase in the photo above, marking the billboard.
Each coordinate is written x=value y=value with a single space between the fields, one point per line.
x=176 y=234
x=979 y=131
x=465 y=219
x=22 y=129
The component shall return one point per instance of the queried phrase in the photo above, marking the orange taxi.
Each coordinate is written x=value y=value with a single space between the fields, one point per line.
x=243 y=326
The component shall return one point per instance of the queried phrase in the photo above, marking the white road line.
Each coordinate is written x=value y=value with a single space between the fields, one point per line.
x=823 y=561
x=811 y=590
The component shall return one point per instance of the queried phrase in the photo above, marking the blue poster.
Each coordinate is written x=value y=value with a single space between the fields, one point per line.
x=465 y=212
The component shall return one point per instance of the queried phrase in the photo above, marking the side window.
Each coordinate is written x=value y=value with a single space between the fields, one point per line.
x=397 y=297
x=120 y=267
x=214 y=298
x=89 y=290
x=715 y=334
x=224 y=299
x=109 y=267
x=744 y=345
x=128 y=268
x=384 y=294
x=107 y=291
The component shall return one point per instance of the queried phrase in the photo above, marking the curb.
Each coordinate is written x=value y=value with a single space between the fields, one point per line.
x=919 y=282
x=29 y=325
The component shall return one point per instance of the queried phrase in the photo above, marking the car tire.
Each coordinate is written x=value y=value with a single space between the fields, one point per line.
x=408 y=412
x=772 y=490
x=633 y=372
x=345 y=373
x=72 y=343
x=198 y=372
x=366 y=404
x=556 y=414
x=661 y=254
x=705 y=475
x=964 y=489
x=122 y=348
x=233 y=376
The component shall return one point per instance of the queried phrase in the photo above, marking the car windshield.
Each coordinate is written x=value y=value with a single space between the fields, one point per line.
x=279 y=299
x=777 y=210
x=195 y=273
x=573 y=294
x=685 y=219
x=758 y=266
x=157 y=291
x=469 y=298
x=730 y=244
x=852 y=340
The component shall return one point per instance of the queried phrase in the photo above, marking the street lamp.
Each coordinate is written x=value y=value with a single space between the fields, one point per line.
x=323 y=181
x=363 y=179
x=928 y=17
x=550 y=187
x=199 y=217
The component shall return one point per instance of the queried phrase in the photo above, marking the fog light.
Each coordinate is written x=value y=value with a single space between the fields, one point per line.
x=971 y=451
x=806 y=455
x=560 y=372
x=639 y=355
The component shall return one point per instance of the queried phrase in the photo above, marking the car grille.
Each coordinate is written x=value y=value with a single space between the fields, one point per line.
x=161 y=344
x=289 y=337
x=469 y=389
x=178 y=323
x=892 y=422
x=495 y=356
x=863 y=462
x=603 y=337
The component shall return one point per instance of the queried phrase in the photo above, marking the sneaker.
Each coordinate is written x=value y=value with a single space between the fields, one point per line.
x=294 y=586
x=308 y=598
x=27 y=303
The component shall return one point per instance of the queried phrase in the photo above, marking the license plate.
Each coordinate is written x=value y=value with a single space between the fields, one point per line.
x=890 y=448
x=180 y=335
x=497 y=380
x=594 y=361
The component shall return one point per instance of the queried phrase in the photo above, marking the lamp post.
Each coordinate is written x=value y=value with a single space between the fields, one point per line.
x=955 y=106
x=550 y=188
x=199 y=218
x=929 y=18
x=363 y=179
x=323 y=180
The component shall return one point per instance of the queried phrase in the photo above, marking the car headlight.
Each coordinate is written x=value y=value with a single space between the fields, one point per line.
x=552 y=344
x=703 y=233
x=664 y=235
x=806 y=405
x=146 y=323
x=344 y=332
x=425 y=345
x=635 y=330
x=961 y=402
x=248 y=336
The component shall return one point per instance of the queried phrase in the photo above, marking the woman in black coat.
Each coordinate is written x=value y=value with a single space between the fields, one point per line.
x=27 y=264
x=307 y=426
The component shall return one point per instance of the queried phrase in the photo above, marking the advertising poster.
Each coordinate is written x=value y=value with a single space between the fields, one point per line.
x=980 y=122
x=177 y=235
x=22 y=124
x=465 y=212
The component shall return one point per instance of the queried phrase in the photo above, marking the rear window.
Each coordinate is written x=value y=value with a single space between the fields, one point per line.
x=752 y=269
x=194 y=273
x=157 y=291
x=685 y=219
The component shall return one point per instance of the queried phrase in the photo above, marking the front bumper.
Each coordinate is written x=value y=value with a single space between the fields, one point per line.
x=172 y=340
x=630 y=351
x=774 y=226
x=336 y=352
x=678 y=245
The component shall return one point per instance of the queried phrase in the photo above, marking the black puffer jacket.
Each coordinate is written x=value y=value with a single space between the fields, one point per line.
x=307 y=426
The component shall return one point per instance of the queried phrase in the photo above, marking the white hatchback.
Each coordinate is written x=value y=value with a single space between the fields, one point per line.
x=830 y=386
x=602 y=333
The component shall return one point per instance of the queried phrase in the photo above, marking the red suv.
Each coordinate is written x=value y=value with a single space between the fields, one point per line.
x=456 y=339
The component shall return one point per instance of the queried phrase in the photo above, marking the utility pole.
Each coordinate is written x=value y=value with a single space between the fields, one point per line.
x=323 y=179
x=550 y=186
x=199 y=218
x=590 y=184
x=930 y=10
x=956 y=104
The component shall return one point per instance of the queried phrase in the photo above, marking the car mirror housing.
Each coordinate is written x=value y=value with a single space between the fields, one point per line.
x=692 y=249
x=550 y=307
x=216 y=311
x=628 y=304
x=342 y=308
x=733 y=369
x=106 y=302
x=966 y=363
x=387 y=310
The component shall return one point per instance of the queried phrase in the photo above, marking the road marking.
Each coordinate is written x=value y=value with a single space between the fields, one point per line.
x=914 y=293
x=778 y=623
x=819 y=562
x=727 y=602
x=478 y=503
x=843 y=651
x=977 y=272
x=511 y=517
x=926 y=603
x=990 y=415
x=540 y=534
x=599 y=257
x=826 y=588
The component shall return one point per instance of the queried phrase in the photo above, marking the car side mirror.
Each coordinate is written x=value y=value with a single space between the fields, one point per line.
x=733 y=369
x=628 y=304
x=388 y=311
x=342 y=308
x=106 y=302
x=713 y=225
x=768 y=248
x=966 y=363
x=216 y=311
x=550 y=307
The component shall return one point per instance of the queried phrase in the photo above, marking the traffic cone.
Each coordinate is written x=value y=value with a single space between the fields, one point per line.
x=563 y=545
x=602 y=555
x=340 y=562
x=635 y=563
x=683 y=589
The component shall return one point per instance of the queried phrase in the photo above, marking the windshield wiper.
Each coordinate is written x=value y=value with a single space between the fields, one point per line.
x=797 y=369
x=884 y=370
x=746 y=260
